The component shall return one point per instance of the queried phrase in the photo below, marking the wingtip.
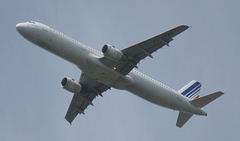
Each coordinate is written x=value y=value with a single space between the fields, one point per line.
x=179 y=126
x=221 y=92
x=185 y=26
x=69 y=121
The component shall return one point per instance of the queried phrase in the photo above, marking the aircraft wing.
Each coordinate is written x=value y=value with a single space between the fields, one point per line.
x=134 y=54
x=80 y=101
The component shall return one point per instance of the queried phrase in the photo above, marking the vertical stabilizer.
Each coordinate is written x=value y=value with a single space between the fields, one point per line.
x=191 y=90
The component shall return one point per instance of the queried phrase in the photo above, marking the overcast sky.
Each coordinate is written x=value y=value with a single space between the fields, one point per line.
x=33 y=105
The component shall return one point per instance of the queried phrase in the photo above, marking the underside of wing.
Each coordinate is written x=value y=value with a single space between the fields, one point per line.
x=134 y=54
x=80 y=101
x=147 y=47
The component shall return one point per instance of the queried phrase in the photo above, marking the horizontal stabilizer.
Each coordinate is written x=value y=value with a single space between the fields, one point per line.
x=182 y=119
x=202 y=101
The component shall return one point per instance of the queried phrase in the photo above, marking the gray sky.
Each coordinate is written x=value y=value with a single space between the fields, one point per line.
x=33 y=105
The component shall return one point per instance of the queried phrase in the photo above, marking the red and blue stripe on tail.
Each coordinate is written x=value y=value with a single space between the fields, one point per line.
x=191 y=90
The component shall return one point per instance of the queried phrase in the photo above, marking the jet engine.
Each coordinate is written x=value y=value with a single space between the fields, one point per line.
x=71 y=85
x=111 y=52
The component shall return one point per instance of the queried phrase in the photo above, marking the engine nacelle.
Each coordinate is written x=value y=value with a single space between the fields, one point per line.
x=71 y=85
x=112 y=52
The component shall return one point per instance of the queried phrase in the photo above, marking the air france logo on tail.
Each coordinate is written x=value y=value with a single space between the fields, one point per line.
x=191 y=90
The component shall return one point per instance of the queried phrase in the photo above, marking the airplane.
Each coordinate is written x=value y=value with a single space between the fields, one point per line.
x=114 y=68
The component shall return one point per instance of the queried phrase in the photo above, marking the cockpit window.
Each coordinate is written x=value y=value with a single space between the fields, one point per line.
x=32 y=22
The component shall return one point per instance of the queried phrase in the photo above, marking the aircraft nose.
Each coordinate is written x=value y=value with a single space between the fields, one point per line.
x=21 y=28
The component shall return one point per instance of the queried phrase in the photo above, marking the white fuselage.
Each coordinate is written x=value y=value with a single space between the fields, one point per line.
x=87 y=59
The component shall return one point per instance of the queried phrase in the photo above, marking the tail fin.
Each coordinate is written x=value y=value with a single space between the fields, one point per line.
x=191 y=90
x=200 y=102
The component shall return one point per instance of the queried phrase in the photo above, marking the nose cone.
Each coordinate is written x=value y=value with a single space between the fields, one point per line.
x=21 y=28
